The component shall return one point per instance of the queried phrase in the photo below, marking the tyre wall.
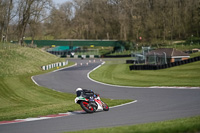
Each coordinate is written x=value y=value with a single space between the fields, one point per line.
x=164 y=66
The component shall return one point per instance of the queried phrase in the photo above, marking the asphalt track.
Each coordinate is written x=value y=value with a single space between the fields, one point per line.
x=153 y=104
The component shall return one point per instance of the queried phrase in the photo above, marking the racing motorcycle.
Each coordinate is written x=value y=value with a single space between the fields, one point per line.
x=91 y=104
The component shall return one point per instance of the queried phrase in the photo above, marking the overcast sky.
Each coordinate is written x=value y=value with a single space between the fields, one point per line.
x=60 y=1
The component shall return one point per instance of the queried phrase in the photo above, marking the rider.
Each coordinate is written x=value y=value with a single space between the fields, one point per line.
x=85 y=93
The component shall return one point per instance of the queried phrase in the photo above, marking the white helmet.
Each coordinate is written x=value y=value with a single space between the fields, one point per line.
x=79 y=89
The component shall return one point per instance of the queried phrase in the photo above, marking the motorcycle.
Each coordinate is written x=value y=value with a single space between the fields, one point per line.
x=91 y=104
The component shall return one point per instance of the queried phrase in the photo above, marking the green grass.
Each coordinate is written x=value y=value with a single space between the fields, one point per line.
x=16 y=60
x=182 y=47
x=19 y=96
x=128 y=52
x=195 y=54
x=185 y=125
x=118 y=73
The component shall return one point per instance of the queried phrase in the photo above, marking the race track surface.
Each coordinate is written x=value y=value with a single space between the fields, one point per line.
x=153 y=104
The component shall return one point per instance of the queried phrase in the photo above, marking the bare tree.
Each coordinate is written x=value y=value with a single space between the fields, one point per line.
x=38 y=16
x=101 y=19
x=5 y=17
x=130 y=19
x=29 y=9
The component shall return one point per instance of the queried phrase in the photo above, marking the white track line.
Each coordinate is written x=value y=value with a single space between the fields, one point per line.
x=34 y=81
x=88 y=76
x=164 y=87
x=60 y=114
x=55 y=115
x=123 y=104
x=76 y=112
x=32 y=77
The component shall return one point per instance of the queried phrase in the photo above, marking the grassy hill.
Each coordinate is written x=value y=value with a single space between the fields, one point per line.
x=19 y=96
x=15 y=60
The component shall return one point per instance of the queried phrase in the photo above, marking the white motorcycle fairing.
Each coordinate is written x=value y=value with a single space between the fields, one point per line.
x=91 y=106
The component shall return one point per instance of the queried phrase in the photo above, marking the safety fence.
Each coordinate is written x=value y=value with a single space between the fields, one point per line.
x=115 y=56
x=68 y=55
x=58 y=64
x=83 y=56
x=164 y=66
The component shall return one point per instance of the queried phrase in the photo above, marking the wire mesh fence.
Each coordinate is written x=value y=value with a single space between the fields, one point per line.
x=156 y=59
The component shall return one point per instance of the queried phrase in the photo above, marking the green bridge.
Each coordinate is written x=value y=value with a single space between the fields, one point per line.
x=65 y=48
x=103 y=43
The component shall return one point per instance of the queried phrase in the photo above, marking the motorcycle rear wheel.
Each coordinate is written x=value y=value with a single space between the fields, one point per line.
x=86 y=107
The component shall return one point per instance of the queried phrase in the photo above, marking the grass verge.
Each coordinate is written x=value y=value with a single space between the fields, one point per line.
x=185 y=125
x=118 y=73
x=20 y=97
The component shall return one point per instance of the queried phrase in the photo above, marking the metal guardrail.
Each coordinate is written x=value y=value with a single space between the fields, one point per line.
x=58 y=64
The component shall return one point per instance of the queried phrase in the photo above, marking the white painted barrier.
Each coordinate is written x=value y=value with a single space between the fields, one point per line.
x=91 y=56
x=58 y=64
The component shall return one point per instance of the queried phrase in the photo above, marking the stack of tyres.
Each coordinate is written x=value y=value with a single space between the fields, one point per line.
x=182 y=62
x=189 y=61
x=169 y=65
x=192 y=59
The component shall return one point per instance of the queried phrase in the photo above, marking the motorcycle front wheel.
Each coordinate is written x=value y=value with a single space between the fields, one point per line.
x=86 y=107
x=105 y=106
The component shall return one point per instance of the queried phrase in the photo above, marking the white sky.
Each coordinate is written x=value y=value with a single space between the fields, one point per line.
x=60 y=1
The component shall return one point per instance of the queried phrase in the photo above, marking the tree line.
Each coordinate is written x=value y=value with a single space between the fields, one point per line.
x=128 y=20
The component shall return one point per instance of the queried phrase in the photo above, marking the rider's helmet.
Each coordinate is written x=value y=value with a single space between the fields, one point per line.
x=79 y=91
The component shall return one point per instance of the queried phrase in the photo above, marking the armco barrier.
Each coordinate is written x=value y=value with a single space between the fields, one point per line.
x=116 y=56
x=50 y=66
x=164 y=66
x=84 y=56
x=130 y=61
